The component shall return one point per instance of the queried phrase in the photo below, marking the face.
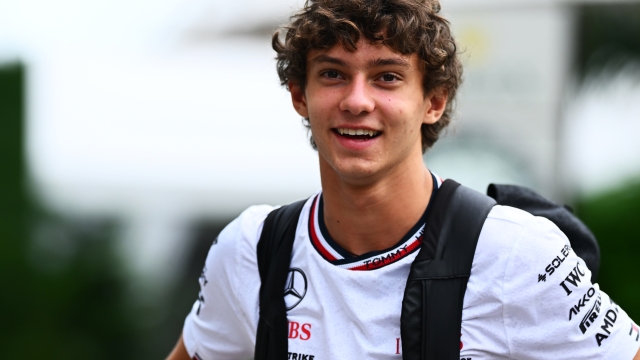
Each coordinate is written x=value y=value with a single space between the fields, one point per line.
x=365 y=109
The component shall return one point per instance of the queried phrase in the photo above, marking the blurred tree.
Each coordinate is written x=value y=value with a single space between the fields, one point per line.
x=608 y=40
x=607 y=36
x=63 y=295
x=614 y=218
x=12 y=199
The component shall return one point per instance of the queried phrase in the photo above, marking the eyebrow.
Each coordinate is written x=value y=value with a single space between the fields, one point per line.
x=324 y=58
x=389 y=61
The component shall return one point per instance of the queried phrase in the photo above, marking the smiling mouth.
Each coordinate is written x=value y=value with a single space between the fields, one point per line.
x=357 y=134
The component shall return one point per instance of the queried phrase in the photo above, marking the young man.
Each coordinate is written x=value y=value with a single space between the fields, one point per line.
x=375 y=80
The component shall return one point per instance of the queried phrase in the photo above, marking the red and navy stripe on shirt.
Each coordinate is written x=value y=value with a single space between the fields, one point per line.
x=332 y=252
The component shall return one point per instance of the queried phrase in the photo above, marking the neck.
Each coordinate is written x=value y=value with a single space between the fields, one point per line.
x=374 y=216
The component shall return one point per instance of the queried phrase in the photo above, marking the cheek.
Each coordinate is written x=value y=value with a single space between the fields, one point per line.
x=407 y=118
x=320 y=106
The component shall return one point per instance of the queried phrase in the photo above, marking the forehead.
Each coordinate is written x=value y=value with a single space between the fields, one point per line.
x=365 y=55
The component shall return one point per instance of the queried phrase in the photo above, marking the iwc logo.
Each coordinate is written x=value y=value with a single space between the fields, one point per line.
x=295 y=289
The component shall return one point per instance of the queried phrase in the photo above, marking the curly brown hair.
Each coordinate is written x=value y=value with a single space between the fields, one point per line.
x=405 y=26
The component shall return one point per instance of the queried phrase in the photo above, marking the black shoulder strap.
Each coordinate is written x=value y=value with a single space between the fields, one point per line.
x=433 y=299
x=274 y=258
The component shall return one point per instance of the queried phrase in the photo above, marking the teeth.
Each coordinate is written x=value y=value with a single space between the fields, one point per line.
x=371 y=133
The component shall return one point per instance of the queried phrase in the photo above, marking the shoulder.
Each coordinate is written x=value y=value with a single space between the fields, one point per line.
x=233 y=252
x=525 y=254
x=534 y=246
x=507 y=228
x=246 y=227
x=542 y=291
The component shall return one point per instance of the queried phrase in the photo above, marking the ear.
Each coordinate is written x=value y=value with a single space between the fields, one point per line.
x=298 y=99
x=435 y=104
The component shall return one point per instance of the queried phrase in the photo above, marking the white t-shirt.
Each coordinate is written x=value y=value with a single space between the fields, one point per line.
x=529 y=296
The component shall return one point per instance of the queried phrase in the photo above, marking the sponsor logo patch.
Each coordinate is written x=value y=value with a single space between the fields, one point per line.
x=298 y=356
x=299 y=331
x=591 y=315
x=555 y=263
x=575 y=310
x=295 y=289
x=608 y=323
x=574 y=277
x=386 y=259
x=634 y=330
x=203 y=282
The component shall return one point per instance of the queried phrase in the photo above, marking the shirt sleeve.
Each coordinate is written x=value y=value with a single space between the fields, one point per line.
x=551 y=310
x=223 y=321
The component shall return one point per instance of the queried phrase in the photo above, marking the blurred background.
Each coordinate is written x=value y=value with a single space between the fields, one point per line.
x=132 y=132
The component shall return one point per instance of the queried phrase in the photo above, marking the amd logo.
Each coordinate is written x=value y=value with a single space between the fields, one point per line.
x=574 y=277
x=609 y=321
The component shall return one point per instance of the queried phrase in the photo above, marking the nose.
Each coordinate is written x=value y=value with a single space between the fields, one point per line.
x=357 y=98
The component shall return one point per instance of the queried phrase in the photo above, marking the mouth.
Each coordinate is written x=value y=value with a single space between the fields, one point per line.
x=357 y=134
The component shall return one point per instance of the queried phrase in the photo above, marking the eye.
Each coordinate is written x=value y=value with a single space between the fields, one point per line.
x=389 y=77
x=331 y=74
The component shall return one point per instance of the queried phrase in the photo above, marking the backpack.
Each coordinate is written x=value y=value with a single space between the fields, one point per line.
x=431 y=316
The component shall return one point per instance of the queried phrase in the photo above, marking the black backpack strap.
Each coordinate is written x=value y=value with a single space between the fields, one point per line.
x=274 y=258
x=431 y=316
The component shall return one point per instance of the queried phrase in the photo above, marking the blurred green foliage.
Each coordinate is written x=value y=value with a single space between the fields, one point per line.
x=12 y=201
x=72 y=296
x=614 y=218
x=62 y=295
x=607 y=36
x=609 y=39
x=65 y=293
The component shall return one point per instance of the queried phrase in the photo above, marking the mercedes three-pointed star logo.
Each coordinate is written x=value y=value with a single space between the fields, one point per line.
x=296 y=288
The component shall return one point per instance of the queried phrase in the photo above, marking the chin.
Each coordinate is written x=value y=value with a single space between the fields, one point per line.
x=356 y=172
x=350 y=169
